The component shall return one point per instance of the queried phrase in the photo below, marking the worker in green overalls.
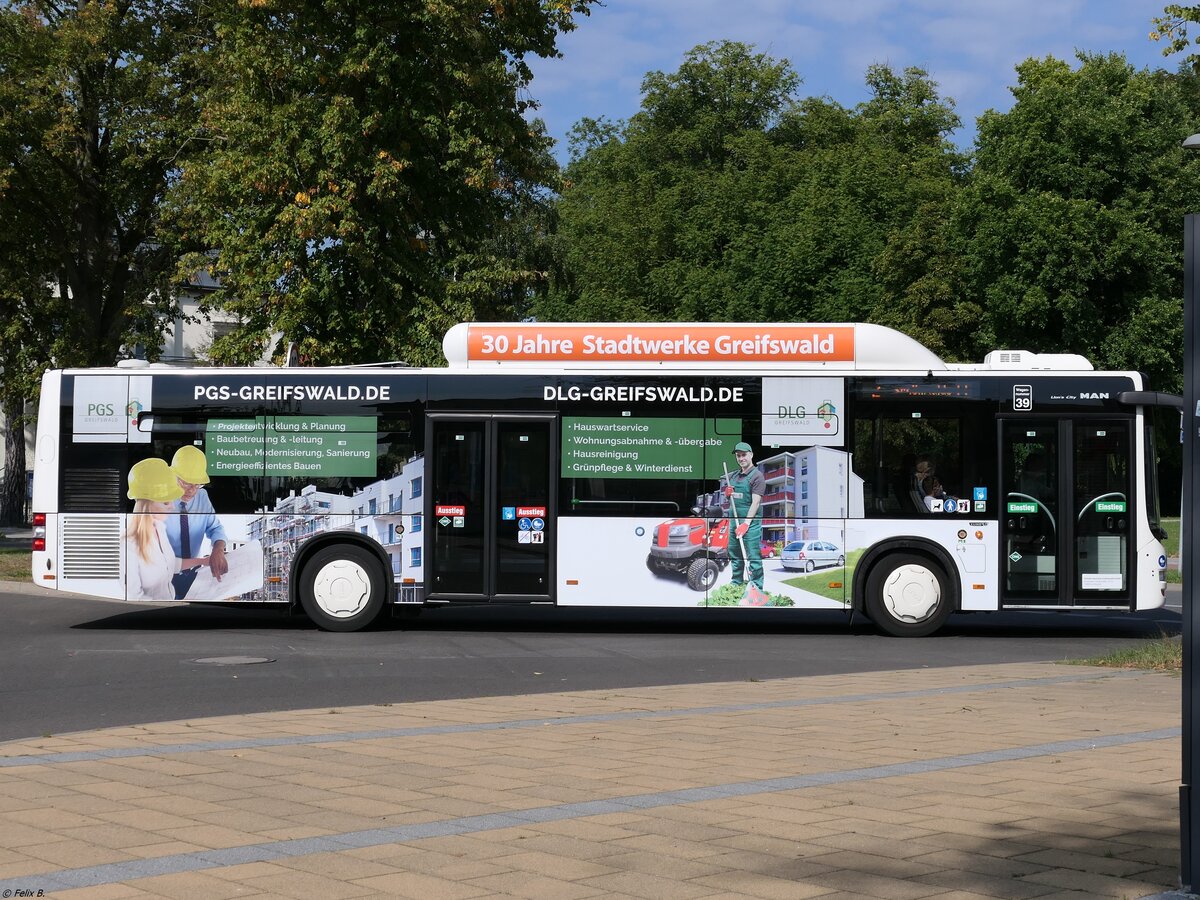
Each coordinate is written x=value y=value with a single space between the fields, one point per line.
x=745 y=492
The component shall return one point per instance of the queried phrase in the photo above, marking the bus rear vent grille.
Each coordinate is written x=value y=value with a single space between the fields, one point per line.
x=91 y=547
x=92 y=490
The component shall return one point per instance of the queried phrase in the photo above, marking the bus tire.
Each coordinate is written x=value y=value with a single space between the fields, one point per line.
x=342 y=588
x=908 y=595
x=702 y=574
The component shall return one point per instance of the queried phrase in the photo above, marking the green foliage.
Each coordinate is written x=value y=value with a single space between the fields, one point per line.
x=1171 y=525
x=735 y=594
x=1066 y=235
x=96 y=111
x=367 y=163
x=726 y=198
x=1172 y=27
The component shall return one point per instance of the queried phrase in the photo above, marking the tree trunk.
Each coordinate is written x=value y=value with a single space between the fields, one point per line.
x=12 y=488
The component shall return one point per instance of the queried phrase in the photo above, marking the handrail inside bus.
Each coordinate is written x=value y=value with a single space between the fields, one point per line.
x=1096 y=500
x=670 y=503
x=1045 y=509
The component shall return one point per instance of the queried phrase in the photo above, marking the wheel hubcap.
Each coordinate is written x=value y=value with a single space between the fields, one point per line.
x=342 y=589
x=911 y=593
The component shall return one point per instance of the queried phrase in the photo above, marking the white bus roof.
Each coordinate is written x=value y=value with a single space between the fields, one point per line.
x=706 y=345
x=686 y=346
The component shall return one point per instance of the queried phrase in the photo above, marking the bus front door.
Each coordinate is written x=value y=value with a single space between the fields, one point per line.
x=1066 y=512
x=490 y=508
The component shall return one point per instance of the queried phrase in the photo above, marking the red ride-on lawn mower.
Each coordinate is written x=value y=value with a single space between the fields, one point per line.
x=696 y=547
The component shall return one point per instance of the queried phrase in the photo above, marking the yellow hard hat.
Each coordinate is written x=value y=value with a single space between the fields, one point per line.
x=152 y=479
x=190 y=465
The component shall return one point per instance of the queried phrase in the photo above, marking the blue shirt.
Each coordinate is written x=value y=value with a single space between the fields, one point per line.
x=202 y=523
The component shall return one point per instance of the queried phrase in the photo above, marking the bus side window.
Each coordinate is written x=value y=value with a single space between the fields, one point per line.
x=896 y=451
x=628 y=496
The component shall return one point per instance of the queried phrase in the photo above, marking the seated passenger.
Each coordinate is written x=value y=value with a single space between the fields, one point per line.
x=935 y=497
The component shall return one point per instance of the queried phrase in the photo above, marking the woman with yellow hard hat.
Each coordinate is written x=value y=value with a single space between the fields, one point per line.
x=150 y=563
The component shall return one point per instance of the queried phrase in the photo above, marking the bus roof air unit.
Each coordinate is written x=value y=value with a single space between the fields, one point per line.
x=1024 y=359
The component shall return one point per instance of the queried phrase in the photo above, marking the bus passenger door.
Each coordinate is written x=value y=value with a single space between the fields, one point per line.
x=1030 y=517
x=1066 y=513
x=1103 y=510
x=491 y=508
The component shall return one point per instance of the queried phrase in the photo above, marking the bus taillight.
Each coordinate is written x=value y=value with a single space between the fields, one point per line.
x=39 y=531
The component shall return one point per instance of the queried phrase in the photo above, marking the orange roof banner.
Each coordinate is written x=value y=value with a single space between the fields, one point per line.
x=661 y=343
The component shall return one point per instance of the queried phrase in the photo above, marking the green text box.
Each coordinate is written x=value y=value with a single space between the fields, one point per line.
x=292 y=446
x=601 y=447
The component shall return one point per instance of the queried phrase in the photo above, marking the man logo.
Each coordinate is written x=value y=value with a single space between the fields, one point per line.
x=1093 y=395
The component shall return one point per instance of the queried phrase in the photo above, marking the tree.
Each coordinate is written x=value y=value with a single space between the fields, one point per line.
x=1067 y=237
x=24 y=339
x=726 y=198
x=96 y=110
x=653 y=209
x=360 y=155
x=1172 y=27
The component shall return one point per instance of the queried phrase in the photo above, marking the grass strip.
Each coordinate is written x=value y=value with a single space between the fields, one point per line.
x=15 y=564
x=1164 y=654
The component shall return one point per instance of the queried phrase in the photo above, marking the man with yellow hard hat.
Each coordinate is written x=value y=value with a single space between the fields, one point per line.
x=194 y=519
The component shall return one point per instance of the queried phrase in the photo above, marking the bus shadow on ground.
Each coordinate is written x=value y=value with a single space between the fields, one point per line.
x=501 y=619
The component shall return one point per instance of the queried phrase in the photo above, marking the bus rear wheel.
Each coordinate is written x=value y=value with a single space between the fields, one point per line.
x=342 y=588
x=908 y=595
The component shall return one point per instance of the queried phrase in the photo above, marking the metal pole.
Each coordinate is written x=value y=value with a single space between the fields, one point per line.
x=1189 y=814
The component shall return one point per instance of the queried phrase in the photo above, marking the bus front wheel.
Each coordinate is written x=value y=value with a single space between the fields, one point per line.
x=908 y=596
x=342 y=588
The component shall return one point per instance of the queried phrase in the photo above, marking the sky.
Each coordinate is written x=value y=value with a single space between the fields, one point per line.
x=969 y=47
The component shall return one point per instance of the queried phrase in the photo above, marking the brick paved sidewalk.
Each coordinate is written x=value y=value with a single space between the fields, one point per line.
x=991 y=781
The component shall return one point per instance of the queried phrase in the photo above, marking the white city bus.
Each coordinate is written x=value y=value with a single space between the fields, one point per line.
x=589 y=465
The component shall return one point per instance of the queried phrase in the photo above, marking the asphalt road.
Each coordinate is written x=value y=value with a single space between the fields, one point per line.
x=70 y=664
